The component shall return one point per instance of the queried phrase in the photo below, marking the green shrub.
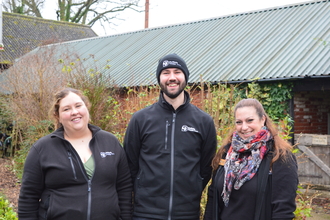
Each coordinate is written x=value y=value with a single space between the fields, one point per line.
x=304 y=202
x=32 y=134
x=6 y=212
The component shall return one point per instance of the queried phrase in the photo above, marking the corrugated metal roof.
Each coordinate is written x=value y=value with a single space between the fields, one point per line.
x=278 y=43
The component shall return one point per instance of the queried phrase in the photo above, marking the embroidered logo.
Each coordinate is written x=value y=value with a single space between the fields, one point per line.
x=168 y=62
x=104 y=154
x=185 y=128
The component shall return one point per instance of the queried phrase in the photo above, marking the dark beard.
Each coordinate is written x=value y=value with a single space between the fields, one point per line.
x=172 y=95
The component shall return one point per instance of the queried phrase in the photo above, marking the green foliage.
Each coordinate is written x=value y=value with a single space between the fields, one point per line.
x=285 y=127
x=222 y=98
x=5 y=114
x=303 y=209
x=113 y=117
x=278 y=106
x=32 y=134
x=6 y=212
x=273 y=96
x=304 y=204
x=220 y=102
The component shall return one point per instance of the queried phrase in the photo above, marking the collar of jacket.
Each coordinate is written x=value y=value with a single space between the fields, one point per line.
x=60 y=131
x=162 y=102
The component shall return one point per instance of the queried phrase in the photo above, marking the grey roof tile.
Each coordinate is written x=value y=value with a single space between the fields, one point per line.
x=22 y=34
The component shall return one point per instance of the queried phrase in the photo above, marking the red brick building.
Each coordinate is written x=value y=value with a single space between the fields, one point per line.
x=311 y=106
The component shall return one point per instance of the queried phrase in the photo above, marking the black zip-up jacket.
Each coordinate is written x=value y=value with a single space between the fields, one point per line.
x=169 y=153
x=267 y=196
x=55 y=184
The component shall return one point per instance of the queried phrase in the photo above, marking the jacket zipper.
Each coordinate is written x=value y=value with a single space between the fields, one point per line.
x=72 y=166
x=172 y=169
x=89 y=181
x=89 y=189
x=89 y=199
x=166 y=133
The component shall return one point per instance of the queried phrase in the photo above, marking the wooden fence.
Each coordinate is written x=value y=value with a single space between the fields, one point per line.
x=313 y=159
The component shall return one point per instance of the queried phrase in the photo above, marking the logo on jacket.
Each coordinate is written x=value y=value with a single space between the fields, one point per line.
x=185 y=128
x=104 y=154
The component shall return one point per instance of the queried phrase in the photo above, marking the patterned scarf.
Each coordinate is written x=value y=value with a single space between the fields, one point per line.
x=241 y=168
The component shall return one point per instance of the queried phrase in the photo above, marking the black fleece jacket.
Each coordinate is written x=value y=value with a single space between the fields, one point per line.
x=274 y=200
x=169 y=153
x=55 y=184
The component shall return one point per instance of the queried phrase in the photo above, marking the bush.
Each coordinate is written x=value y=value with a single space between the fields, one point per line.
x=6 y=212
x=32 y=133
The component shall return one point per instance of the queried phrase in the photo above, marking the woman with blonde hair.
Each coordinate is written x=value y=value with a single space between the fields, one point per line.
x=254 y=172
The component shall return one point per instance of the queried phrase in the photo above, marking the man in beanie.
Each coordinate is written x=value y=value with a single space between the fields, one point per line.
x=169 y=147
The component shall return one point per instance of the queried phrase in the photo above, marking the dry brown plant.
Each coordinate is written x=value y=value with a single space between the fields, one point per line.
x=30 y=84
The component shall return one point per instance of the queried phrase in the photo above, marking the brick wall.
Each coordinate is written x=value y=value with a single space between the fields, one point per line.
x=311 y=112
x=196 y=96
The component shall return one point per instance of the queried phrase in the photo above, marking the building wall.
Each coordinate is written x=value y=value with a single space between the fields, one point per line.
x=197 y=98
x=311 y=110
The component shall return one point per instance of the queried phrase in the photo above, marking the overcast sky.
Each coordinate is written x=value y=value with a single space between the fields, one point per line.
x=168 y=12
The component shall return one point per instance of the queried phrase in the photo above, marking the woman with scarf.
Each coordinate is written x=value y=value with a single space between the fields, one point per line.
x=255 y=174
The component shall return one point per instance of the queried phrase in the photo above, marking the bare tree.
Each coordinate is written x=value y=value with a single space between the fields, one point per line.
x=77 y=11
x=27 y=7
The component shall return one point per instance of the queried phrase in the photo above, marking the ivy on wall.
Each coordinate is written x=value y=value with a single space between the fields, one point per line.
x=221 y=99
x=273 y=96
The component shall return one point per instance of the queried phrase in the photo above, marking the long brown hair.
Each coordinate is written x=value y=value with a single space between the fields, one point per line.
x=54 y=111
x=281 y=146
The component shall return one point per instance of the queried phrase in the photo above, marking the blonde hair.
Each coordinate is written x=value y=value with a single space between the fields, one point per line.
x=281 y=146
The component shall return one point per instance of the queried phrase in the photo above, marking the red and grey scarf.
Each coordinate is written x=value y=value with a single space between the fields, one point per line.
x=240 y=167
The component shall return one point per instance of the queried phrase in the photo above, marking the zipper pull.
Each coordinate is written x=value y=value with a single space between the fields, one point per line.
x=89 y=185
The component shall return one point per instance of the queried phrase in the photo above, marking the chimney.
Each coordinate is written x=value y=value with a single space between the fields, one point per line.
x=1 y=44
x=146 y=21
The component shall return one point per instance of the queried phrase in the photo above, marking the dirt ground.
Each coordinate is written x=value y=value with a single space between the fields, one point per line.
x=10 y=186
x=321 y=207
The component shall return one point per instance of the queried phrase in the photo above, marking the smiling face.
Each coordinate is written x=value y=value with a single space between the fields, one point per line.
x=248 y=122
x=172 y=82
x=73 y=113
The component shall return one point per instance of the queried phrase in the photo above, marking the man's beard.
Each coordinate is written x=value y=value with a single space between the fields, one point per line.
x=173 y=95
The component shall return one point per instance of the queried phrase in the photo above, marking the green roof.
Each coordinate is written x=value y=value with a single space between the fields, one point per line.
x=287 y=42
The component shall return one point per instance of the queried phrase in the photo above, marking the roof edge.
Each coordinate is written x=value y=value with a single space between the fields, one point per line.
x=222 y=17
x=43 y=19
